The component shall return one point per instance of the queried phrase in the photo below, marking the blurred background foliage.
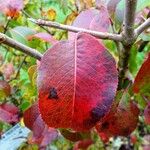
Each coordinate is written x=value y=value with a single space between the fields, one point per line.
x=18 y=71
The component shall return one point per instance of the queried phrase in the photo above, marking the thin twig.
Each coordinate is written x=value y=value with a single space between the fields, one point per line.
x=118 y=44
x=5 y=30
x=142 y=27
x=21 y=47
x=26 y=14
x=18 y=71
x=144 y=43
x=101 y=35
x=6 y=26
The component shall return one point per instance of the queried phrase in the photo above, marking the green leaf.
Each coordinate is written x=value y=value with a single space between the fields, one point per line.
x=20 y=34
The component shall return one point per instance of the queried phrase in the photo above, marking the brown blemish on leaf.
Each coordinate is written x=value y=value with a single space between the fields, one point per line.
x=53 y=94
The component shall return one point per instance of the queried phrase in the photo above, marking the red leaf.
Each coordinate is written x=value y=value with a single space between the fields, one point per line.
x=84 y=144
x=147 y=114
x=92 y=19
x=133 y=139
x=77 y=81
x=42 y=135
x=84 y=19
x=111 y=6
x=9 y=113
x=142 y=80
x=8 y=70
x=11 y=7
x=30 y=116
x=120 y=121
x=101 y=21
x=43 y=36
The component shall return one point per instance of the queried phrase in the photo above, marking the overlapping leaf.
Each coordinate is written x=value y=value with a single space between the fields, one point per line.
x=93 y=19
x=9 y=113
x=77 y=81
x=147 y=114
x=42 y=135
x=43 y=36
x=120 y=121
x=109 y=4
x=8 y=70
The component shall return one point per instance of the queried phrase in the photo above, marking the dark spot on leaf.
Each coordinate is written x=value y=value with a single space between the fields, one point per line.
x=53 y=94
x=97 y=113
x=122 y=109
x=105 y=125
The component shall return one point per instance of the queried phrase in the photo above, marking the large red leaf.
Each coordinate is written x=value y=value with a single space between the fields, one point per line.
x=142 y=80
x=77 y=81
x=11 y=7
x=42 y=135
x=121 y=120
x=9 y=113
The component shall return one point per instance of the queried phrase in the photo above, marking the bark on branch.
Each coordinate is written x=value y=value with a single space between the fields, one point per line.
x=129 y=19
x=4 y=39
x=142 y=27
x=129 y=38
x=101 y=35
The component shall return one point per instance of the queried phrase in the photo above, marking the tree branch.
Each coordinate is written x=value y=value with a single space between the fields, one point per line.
x=142 y=27
x=23 y=48
x=129 y=38
x=129 y=19
x=101 y=35
x=26 y=14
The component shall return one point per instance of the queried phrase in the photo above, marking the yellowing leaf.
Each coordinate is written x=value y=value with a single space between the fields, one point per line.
x=84 y=4
x=51 y=14
x=5 y=89
x=22 y=122
x=70 y=18
x=32 y=72
x=88 y=3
